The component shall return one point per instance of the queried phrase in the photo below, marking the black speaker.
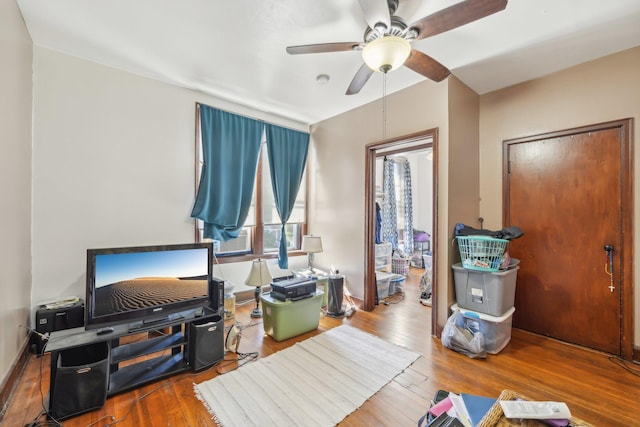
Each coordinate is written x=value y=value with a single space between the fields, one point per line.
x=206 y=342
x=80 y=379
x=216 y=295
x=56 y=319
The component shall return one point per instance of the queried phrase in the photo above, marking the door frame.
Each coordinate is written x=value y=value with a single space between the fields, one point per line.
x=402 y=144
x=625 y=128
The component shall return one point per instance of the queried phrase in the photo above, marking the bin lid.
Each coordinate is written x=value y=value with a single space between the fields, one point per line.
x=458 y=266
x=266 y=297
x=475 y=315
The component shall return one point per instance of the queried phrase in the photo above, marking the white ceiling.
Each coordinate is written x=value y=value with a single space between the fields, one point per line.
x=235 y=49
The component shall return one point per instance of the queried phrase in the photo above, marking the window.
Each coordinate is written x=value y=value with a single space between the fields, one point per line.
x=260 y=235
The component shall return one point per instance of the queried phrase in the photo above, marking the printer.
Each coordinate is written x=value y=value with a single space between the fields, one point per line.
x=293 y=289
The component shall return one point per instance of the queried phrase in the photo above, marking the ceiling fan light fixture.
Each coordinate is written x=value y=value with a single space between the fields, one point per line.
x=386 y=53
x=380 y=28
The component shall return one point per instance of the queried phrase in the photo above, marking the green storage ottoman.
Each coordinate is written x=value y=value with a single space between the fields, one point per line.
x=286 y=319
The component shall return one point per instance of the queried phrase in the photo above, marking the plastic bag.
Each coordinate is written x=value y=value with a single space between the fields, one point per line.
x=457 y=337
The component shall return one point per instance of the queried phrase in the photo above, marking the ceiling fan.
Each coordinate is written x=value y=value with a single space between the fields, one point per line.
x=387 y=39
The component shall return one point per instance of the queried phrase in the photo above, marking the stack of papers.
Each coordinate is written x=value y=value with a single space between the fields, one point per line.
x=62 y=303
x=467 y=408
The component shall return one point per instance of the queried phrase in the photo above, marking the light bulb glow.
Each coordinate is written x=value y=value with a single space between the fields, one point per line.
x=386 y=53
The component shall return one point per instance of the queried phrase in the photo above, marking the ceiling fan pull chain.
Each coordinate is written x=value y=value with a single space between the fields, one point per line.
x=384 y=106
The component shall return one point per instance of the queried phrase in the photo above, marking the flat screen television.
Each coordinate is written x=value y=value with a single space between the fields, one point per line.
x=144 y=284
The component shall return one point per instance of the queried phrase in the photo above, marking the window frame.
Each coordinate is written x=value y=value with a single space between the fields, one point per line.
x=256 y=231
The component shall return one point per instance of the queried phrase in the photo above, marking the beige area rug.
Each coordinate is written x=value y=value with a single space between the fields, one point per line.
x=316 y=382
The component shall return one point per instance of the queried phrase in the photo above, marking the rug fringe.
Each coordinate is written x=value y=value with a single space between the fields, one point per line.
x=209 y=408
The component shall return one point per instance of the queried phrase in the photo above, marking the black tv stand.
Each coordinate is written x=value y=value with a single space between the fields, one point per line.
x=87 y=366
x=104 y=331
x=147 y=324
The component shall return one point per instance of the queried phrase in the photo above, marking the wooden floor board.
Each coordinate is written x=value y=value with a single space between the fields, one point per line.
x=596 y=389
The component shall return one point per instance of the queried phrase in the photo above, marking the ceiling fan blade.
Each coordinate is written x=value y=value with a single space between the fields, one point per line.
x=456 y=16
x=427 y=66
x=375 y=11
x=359 y=80
x=323 y=47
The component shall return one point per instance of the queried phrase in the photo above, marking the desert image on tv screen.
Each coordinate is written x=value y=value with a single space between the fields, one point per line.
x=138 y=280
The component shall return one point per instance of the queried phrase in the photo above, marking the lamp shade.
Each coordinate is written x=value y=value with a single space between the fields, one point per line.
x=259 y=274
x=386 y=53
x=311 y=244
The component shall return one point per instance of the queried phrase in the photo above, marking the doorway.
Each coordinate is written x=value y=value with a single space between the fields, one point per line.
x=571 y=193
x=421 y=141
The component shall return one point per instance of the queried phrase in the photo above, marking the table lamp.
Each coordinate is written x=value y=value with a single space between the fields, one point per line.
x=258 y=277
x=311 y=245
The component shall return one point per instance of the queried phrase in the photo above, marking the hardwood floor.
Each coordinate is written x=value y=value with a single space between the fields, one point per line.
x=596 y=389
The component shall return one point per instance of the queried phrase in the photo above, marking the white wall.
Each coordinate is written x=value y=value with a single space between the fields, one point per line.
x=114 y=165
x=338 y=207
x=15 y=183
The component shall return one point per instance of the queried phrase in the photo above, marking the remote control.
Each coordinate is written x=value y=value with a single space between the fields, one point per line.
x=535 y=410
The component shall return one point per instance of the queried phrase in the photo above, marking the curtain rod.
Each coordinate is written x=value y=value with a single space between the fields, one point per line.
x=198 y=104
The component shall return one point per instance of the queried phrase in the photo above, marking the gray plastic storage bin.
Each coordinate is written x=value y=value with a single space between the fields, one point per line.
x=492 y=293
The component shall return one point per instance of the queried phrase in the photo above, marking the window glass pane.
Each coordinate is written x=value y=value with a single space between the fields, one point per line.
x=269 y=212
x=241 y=244
x=251 y=216
x=298 y=212
x=272 y=237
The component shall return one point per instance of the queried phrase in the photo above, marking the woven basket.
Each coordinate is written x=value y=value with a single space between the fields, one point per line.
x=495 y=417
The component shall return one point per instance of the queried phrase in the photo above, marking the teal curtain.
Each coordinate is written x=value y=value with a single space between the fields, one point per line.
x=287 y=150
x=230 y=145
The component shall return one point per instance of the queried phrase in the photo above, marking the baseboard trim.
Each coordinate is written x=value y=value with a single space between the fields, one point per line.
x=636 y=355
x=13 y=377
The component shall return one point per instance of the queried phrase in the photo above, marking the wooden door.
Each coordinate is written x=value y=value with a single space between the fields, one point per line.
x=570 y=193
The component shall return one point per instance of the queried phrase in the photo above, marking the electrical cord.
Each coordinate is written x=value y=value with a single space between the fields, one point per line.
x=53 y=422
x=36 y=422
x=240 y=357
x=135 y=402
x=139 y=399
x=624 y=365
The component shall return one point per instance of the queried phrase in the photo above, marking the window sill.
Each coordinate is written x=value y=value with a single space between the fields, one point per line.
x=250 y=257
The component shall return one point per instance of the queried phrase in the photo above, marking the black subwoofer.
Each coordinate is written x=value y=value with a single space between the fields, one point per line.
x=80 y=379
x=206 y=342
